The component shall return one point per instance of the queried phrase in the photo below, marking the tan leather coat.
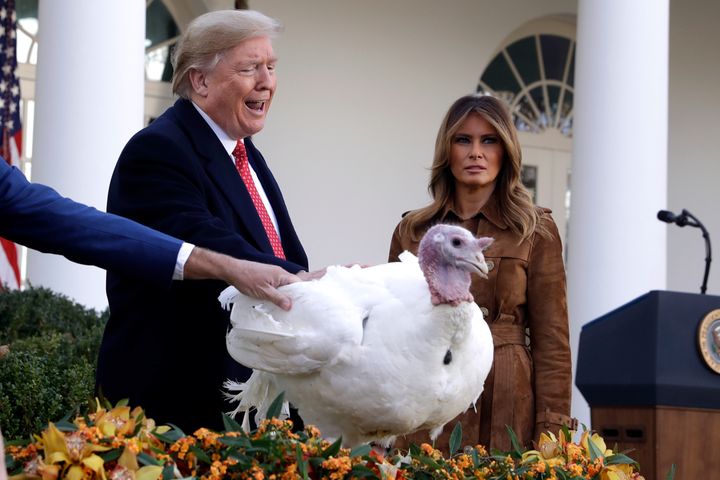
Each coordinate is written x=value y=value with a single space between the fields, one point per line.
x=524 y=302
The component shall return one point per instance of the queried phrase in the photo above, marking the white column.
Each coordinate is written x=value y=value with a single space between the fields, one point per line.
x=89 y=94
x=617 y=247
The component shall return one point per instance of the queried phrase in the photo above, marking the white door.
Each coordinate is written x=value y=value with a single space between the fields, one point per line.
x=547 y=174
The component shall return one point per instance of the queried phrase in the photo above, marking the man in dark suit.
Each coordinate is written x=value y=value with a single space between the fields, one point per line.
x=39 y=217
x=187 y=174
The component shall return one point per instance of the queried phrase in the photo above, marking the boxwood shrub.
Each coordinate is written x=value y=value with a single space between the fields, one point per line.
x=48 y=369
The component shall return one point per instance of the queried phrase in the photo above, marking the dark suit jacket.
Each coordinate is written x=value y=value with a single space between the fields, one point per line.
x=165 y=349
x=40 y=218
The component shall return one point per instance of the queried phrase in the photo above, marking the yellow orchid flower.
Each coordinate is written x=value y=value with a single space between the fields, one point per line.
x=148 y=472
x=128 y=459
x=597 y=440
x=53 y=441
x=617 y=472
x=72 y=450
x=75 y=472
x=115 y=422
x=548 y=451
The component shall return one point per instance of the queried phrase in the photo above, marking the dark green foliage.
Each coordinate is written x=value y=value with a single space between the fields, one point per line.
x=50 y=368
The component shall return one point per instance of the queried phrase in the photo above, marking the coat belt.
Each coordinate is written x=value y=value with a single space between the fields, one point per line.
x=503 y=401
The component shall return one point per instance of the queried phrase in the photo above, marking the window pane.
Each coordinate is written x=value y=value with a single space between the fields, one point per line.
x=26 y=9
x=499 y=77
x=524 y=55
x=554 y=97
x=160 y=24
x=555 y=50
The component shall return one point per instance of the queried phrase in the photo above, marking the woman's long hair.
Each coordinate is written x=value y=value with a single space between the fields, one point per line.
x=514 y=200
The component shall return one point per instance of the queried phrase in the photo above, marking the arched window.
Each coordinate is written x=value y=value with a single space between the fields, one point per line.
x=161 y=34
x=534 y=75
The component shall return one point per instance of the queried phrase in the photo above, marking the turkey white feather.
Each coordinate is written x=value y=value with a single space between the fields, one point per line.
x=371 y=353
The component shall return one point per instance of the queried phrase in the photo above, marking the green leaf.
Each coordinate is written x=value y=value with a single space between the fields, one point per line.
x=236 y=441
x=201 y=456
x=261 y=444
x=110 y=455
x=361 y=471
x=65 y=426
x=455 y=439
x=168 y=472
x=619 y=459
x=10 y=462
x=595 y=452
x=170 y=436
x=230 y=424
x=146 y=459
x=315 y=462
x=122 y=403
x=177 y=429
x=302 y=464
x=414 y=450
x=475 y=458
x=561 y=475
x=263 y=450
x=517 y=451
x=333 y=449
x=671 y=473
x=429 y=462
x=276 y=406
x=360 y=450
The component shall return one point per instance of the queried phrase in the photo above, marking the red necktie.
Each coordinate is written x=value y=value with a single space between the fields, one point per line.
x=243 y=167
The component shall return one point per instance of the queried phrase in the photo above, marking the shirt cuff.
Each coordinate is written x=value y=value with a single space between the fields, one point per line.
x=185 y=251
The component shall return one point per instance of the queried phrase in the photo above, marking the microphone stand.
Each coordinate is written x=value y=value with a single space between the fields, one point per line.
x=708 y=255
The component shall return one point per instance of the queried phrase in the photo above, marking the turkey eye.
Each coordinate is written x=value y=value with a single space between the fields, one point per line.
x=456 y=242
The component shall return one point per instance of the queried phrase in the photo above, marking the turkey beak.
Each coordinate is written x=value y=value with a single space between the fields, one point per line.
x=477 y=264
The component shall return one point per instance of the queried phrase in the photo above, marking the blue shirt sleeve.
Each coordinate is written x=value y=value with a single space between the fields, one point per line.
x=40 y=218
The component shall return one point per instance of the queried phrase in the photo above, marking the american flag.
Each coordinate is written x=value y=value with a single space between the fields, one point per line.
x=11 y=147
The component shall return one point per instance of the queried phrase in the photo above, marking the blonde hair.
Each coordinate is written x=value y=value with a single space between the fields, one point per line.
x=514 y=201
x=208 y=36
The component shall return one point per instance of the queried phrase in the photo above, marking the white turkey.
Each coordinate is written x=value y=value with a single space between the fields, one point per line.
x=371 y=353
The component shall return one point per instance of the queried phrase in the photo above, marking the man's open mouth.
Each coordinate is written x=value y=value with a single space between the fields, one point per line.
x=257 y=105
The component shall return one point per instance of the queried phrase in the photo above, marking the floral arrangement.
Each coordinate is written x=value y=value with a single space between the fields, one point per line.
x=121 y=443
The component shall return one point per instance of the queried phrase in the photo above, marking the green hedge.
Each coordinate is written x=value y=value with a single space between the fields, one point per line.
x=50 y=368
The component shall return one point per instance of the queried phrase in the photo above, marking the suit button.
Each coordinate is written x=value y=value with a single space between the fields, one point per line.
x=490 y=265
x=484 y=311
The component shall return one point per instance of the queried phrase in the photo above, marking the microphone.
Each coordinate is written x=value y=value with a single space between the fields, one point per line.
x=687 y=218
x=669 y=217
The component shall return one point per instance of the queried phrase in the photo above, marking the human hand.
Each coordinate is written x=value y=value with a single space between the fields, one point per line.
x=314 y=275
x=261 y=281
x=254 y=279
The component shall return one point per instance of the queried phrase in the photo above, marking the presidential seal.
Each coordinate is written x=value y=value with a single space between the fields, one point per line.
x=709 y=339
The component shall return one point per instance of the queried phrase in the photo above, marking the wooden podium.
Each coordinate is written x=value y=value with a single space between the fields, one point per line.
x=646 y=369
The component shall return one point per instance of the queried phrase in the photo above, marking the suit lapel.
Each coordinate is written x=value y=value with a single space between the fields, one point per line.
x=221 y=170
x=290 y=241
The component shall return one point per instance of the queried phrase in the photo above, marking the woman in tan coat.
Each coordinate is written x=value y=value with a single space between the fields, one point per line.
x=475 y=182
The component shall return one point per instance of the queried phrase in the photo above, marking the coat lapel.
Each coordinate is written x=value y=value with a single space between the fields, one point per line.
x=221 y=170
